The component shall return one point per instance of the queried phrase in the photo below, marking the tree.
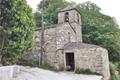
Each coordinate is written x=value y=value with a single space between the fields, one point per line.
x=51 y=8
x=3 y=35
x=100 y=29
x=17 y=19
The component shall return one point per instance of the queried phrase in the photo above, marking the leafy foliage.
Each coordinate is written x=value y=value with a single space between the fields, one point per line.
x=17 y=19
x=100 y=29
x=37 y=19
x=51 y=8
x=114 y=69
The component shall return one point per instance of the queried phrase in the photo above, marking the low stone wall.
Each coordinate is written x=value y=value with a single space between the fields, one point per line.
x=8 y=72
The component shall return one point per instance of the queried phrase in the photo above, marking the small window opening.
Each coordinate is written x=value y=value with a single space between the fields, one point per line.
x=66 y=17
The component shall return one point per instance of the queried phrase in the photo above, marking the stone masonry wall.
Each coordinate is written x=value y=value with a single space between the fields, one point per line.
x=65 y=34
x=49 y=44
x=73 y=17
x=95 y=59
x=55 y=38
x=74 y=20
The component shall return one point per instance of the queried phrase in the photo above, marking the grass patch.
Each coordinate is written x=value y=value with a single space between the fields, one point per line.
x=32 y=63
x=86 y=71
x=48 y=67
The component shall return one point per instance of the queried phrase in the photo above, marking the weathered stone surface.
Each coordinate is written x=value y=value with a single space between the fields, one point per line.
x=8 y=72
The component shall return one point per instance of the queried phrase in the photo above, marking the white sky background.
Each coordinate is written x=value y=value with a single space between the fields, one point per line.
x=109 y=7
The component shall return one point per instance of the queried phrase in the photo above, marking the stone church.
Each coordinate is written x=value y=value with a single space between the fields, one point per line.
x=64 y=47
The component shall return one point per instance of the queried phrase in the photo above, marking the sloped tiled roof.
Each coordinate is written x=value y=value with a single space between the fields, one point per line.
x=78 y=45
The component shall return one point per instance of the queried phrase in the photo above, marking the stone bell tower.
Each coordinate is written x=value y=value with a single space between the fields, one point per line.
x=71 y=16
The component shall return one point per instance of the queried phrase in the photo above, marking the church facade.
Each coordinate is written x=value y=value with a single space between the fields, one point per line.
x=64 y=48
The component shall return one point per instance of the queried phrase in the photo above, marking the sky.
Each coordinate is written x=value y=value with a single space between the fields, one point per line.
x=109 y=7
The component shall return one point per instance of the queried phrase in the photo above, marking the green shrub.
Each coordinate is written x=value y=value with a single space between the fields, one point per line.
x=113 y=68
x=115 y=77
x=119 y=66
